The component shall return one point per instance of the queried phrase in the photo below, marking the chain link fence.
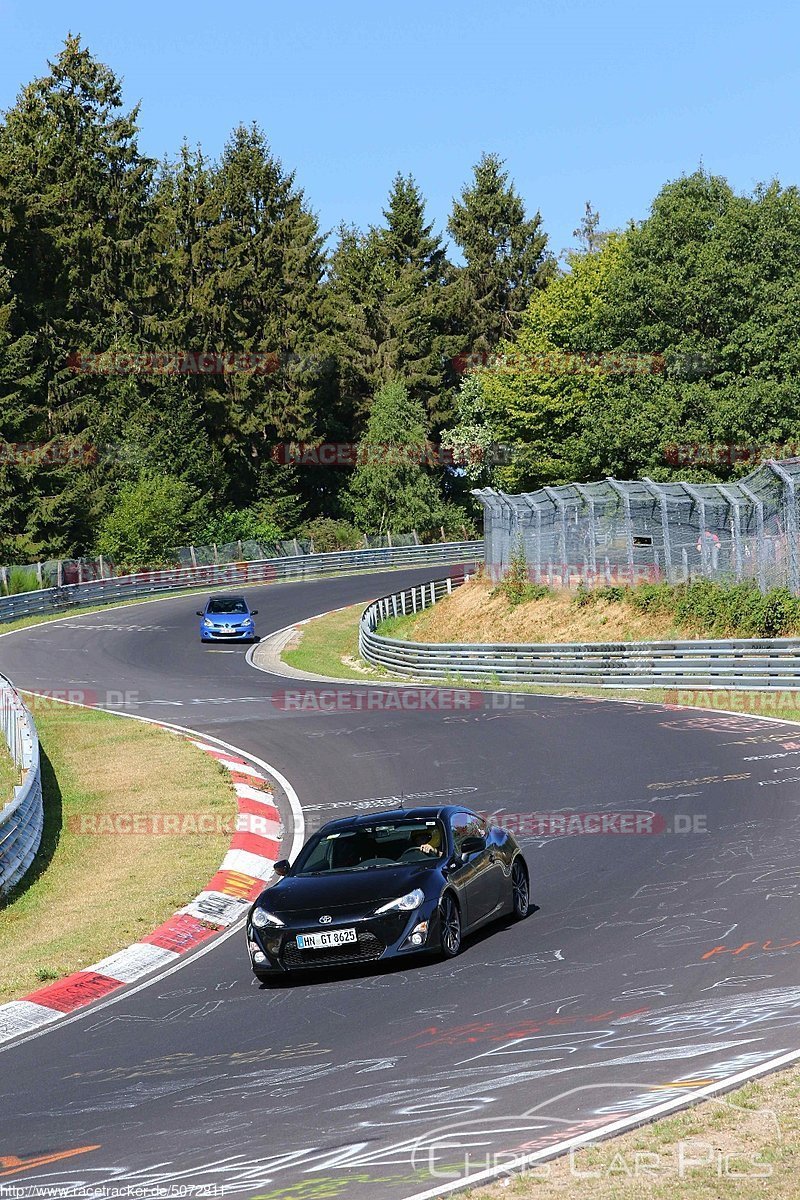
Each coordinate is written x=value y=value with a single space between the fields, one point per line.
x=627 y=532
x=65 y=572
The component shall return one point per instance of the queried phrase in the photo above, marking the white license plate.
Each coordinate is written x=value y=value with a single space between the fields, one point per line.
x=323 y=941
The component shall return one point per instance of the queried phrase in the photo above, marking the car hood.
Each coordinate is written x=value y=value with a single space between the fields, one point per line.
x=228 y=618
x=344 y=889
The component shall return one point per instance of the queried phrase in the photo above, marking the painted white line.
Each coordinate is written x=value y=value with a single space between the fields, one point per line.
x=618 y=1126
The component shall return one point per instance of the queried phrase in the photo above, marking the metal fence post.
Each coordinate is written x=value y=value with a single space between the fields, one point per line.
x=626 y=508
x=700 y=501
x=791 y=523
x=758 y=505
x=587 y=496
x=660 y=495
x=562 y=533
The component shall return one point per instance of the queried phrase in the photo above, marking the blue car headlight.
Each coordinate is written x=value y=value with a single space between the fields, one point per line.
x=208 y=624
x=405 y=903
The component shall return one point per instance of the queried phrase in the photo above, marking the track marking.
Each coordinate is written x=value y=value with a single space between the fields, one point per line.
x=215 y=939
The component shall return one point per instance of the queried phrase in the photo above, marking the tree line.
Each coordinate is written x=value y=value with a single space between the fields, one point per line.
x=178 y=338
x=165 y=328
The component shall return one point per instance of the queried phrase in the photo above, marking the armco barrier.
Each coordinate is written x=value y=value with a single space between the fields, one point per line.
x=21 y=819
x=151 y=583
x=739 y=663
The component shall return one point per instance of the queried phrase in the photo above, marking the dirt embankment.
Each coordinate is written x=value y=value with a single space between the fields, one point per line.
x=474 y=614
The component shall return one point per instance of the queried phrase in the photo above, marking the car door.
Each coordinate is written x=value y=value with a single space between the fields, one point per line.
x=479 y=877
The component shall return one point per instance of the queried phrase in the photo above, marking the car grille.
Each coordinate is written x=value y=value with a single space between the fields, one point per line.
x=366 y=949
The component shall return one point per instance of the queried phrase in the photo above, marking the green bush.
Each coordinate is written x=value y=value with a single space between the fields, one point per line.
x=516 y=585
x=613 y=593
x=148 y=519
x=654 y=597
x=583 y=596
x=239 y=524
x=329 y=535
x=22 y=579
x=721 y=610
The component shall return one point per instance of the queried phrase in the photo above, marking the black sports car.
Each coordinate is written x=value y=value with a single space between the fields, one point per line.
x=391 y=883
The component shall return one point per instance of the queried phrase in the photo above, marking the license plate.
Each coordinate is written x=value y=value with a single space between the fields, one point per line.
x=323 y=941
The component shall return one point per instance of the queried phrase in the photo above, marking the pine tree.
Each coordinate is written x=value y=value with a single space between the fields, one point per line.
x=356 y=289
x=505 y=255
x=262 y=295
x=19 y=383
x=391 y=289
x=391 y=489
x=418 y=275
x=74 y=204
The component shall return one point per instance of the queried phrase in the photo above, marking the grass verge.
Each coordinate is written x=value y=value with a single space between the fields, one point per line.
x=89 y=894
x=741 y=1146
x=329 y=646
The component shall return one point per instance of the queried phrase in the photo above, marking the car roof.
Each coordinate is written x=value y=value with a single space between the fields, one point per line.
x=227 y=599
x=394 y=814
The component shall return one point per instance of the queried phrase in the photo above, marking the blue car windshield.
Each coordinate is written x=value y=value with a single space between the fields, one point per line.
x=231 y=605
x=384 y=844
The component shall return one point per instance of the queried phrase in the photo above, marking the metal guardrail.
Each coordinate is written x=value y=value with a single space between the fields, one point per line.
x=737 y=663
x=22 y=819
x=304 y=566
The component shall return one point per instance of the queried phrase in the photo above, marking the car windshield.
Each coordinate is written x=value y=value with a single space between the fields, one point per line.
x=384 y=844
x=227 y=604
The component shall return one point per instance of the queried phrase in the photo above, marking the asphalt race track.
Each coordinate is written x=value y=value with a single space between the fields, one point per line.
x=653 y=963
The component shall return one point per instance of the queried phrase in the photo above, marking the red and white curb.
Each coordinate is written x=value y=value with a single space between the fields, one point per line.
x=242 y=874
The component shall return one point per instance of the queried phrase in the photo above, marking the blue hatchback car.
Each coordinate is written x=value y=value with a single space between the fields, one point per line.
x=227 y=619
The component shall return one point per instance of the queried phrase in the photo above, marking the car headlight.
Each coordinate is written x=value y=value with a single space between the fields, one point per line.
x=261 y=918
x=209 y=624
x=405 y=903
x=247 y=621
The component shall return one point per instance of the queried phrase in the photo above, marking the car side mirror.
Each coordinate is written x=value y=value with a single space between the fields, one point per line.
x=282 y=867
x=199 y=613
x=472 y=845
x=253 y=612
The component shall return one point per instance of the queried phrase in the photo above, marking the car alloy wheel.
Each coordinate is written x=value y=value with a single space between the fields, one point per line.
x=450 y=920
x=520 y=891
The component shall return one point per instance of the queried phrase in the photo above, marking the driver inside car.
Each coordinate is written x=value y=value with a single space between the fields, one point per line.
x=429 y=841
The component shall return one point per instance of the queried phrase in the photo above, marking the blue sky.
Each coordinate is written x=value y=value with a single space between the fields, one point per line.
x=584 y=100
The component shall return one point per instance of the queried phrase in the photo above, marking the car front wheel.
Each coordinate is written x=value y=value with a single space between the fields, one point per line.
x=520 y=890
x=450 y=925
